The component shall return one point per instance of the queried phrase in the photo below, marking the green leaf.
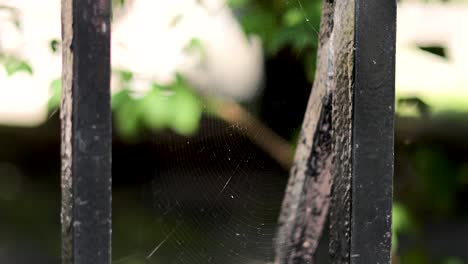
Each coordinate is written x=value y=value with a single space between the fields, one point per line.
x=56 y=92
x=401 y=222
x=285 y=24
x=173 y=106
x=125 y=76
x=195 y=46
x=293 y=17
x=127 y=119
x=14 y=65
x=261 y=22
x=54 y=45
x=119 y=98
x=189 y=110
x=155 y=109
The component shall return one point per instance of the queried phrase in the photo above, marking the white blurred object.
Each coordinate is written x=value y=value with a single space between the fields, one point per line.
x=151 y=40
x=23 y=97
x=420 y=73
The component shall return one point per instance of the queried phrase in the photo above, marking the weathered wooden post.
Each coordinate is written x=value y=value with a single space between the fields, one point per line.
x=343 y=167
x=86 y=132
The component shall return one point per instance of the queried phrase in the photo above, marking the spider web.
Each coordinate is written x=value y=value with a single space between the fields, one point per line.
x=214 y=198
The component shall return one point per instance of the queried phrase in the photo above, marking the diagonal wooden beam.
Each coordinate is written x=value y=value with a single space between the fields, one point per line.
x=306 y=201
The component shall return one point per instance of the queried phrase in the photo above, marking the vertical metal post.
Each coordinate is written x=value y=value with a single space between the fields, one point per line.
x=356 y=68
x=373 y=131
x=86 y=132
x=363 y=114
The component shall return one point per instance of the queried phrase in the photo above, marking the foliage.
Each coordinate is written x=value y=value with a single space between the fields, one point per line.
x=14 y=64
x=283 y=25
x=430 y=164
x=56 y=93
x=280 y=24
x=401 y=222
x=173 y=106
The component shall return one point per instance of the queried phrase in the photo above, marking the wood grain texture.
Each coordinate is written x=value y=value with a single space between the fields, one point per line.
x=66 y=127
x=306 y=202
x=343 y=72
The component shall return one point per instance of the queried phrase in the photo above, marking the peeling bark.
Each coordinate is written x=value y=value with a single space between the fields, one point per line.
x=307 y=198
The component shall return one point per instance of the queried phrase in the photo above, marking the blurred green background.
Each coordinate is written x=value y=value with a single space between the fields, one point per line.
x=163 y=135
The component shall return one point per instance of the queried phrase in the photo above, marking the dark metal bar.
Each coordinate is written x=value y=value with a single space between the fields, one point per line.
x=373 y=131
x=86 y=132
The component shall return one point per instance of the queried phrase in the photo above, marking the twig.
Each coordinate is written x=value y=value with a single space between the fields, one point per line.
x=261 y=135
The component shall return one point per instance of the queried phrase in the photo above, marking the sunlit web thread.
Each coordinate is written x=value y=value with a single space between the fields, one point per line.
x=225 y=229
x=53 y=113
x=252 y=233
x=228 y=181
x=124 y=259
x=307 y=17
x=162 y=243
